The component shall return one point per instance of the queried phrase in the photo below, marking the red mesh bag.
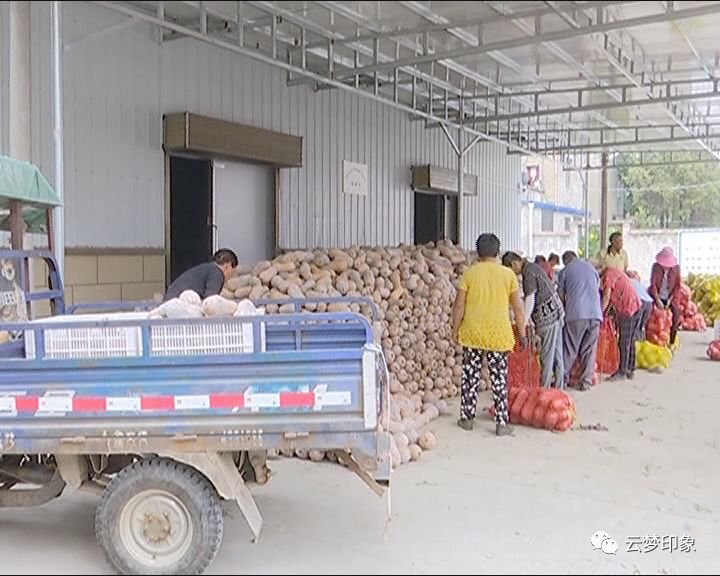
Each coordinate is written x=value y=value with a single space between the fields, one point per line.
x=523 y=367
x=608 y=352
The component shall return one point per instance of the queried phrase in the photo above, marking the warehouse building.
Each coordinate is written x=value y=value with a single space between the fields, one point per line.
x=278 y=125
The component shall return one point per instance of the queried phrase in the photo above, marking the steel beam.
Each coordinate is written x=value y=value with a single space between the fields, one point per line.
x=470 y=22
x=420 y=9
x=577 y=90
x=604 y=208
x=605 y=129
x=561 y=54
x=665 y=73
x=552 y=36
x=711 y=95
x=99 y=33
x=305 y=25
x=619 y=60
x=650 y=164
x=151 y=18
x=599 y=146
x=650 y=158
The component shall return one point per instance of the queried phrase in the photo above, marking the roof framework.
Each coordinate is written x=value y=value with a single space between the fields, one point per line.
x=553 y=77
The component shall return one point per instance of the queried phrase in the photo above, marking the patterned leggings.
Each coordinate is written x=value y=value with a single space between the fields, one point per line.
x=497 y=363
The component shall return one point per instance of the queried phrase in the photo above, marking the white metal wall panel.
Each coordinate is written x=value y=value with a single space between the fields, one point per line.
x=4 y=74
x=112 y=130
x=117 y=86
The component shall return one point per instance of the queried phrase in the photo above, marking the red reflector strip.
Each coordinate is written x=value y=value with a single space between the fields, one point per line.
x=89 y=404
x=227 y=401
x=297 y=399
x=26 y=403
x=157 y=403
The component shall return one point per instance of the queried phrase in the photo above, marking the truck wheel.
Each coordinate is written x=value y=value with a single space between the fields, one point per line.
x=158 y=516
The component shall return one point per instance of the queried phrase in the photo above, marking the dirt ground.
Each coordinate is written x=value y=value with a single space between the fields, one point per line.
x=476 y=504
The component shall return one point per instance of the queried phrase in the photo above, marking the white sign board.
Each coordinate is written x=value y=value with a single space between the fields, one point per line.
x=355 y=178
x=699 y=251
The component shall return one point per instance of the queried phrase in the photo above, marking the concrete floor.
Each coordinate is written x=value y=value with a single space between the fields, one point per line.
x=477 y=504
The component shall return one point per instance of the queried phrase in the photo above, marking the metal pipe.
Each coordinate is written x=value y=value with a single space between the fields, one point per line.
x=707 y=95
x=604 y=202
x=531 y=225
x=671 y=162
x=203 y=19
x=461 y=175
x=452 y=142
x=58 y=212
x=586 y=206
x=596 y=146
x=241 y=24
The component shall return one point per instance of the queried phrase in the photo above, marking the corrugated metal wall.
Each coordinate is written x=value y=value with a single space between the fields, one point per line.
x=4 y=74
x=118 y=86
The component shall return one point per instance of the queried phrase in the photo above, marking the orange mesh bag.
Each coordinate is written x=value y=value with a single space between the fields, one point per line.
x=608 y=352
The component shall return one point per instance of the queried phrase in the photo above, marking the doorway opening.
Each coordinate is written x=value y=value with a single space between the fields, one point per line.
x=190 y=214
x=435 y=218
x=216 y=204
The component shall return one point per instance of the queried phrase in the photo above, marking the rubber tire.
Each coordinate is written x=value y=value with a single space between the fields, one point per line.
x=189 y=486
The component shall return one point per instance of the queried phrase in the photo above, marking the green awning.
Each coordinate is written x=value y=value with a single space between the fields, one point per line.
x=25 y=183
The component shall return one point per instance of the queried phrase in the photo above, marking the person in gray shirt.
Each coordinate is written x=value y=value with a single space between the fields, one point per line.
x=544 y=308
x=579 y=289
x=206 y=279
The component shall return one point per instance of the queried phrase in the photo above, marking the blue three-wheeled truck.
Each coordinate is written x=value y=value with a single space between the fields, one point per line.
x=164 y=419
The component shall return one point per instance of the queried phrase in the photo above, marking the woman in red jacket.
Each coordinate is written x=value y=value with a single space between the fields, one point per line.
x=665 y=282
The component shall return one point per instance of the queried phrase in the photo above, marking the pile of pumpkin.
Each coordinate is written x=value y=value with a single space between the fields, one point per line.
x=413 y=288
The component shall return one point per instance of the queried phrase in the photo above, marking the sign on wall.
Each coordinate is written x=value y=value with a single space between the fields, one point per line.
x=355 y=178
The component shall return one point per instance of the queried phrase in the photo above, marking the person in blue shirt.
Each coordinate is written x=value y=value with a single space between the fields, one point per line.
x=647 y=303
x=579 y=289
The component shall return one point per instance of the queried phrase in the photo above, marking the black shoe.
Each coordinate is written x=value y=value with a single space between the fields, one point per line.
x=618 y=377
x=585 y=387
x=503 y=430
x=466 y=424
x=631 y=375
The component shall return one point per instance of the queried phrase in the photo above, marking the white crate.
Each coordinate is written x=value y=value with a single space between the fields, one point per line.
x=169 y=339
x=214 y=339
x=86 y=343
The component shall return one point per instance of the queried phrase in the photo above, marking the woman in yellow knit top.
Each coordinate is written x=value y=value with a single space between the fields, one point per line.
x=615 y=256
x=481 y=324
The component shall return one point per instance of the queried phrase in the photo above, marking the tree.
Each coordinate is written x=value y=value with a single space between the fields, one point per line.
x=594 y=243
x=672 y=195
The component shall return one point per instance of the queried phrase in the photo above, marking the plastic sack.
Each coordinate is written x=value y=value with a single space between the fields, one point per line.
x=650 y=356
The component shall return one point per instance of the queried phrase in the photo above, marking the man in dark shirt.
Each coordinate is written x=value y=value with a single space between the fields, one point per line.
x=544 y=307
x=205 y=279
